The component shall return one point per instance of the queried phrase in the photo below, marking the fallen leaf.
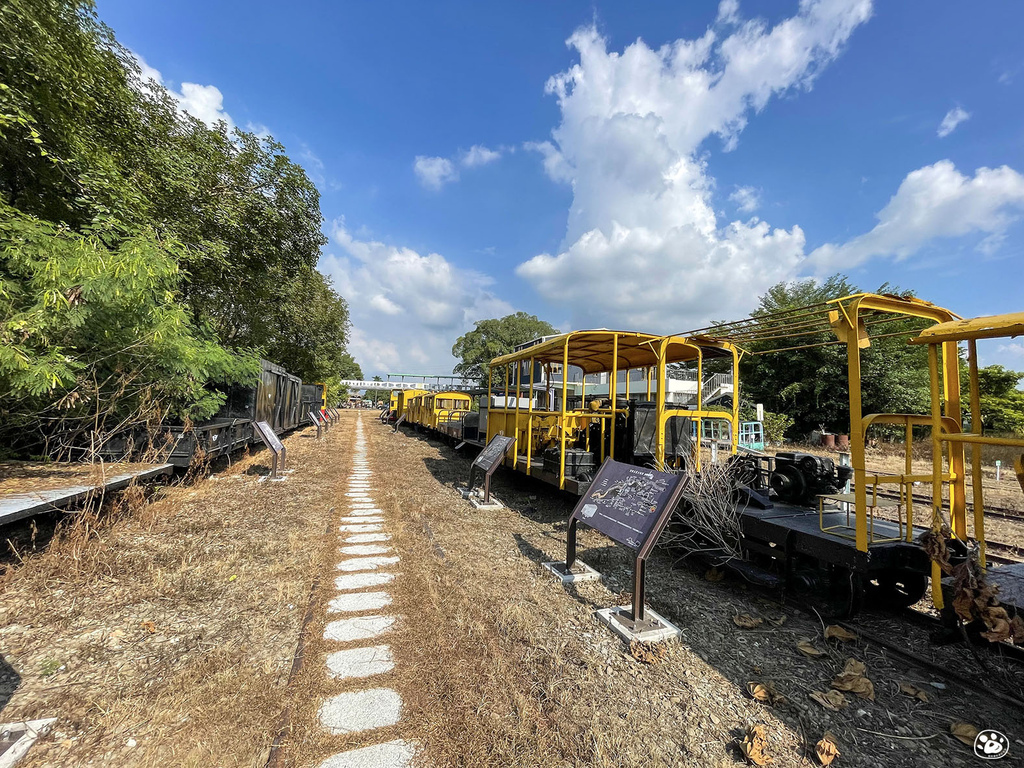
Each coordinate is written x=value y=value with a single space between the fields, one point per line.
x=648 y=653
x=149 y=626
x=833 y=700
x=764 y=692
x=913 y=690
x=839 y=633
x=233 y=577
x=779 y=621
x=806 y=647
x=853 y=680
x=965 y=732
x=747 y=621
x=755 y=745
x=826 y=749
x=714 y=574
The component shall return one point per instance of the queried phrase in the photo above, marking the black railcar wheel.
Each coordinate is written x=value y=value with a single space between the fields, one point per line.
x=896 y=588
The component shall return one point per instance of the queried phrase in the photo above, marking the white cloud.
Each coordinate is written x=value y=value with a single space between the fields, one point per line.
x=728 y=12
x=747 y=199
x=434 y=172
x=478 y=155
x=936 y=201
x=642 y=233
x=952 y=119
x=407 y=309
x=204 y=102
x=1013 y=349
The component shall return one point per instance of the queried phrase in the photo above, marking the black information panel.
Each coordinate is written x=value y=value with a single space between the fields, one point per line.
x=488 y=460
x=626 y=502
x=631 y=505
x=269 y=436
x=493 y=453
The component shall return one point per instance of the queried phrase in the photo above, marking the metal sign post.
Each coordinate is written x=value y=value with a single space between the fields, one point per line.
x=631 y=505
x=400 y=420
x=488 y=460
x=319 y=425
x=271 y=440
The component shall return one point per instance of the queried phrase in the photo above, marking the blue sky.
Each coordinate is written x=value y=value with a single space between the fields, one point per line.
x=658 y=171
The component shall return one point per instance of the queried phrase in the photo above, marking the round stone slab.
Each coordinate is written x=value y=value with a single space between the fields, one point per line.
x=393 y=754
x=365 y=549
x=351 y=602
x=360 y=662
x=366 y=511
x=362 y=520
x=361 y=580
x=361 y=711
x=358 y=628
x=366 y=563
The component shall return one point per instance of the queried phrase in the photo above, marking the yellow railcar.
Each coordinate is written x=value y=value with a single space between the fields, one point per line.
x=561 y=436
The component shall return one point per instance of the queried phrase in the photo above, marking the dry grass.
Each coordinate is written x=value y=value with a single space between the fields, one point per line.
x=161 y=632
x=499 y=665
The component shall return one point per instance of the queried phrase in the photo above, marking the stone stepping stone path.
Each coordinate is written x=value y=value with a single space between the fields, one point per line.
x=366 y=570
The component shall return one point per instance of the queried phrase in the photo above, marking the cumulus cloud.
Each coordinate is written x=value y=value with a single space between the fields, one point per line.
x=936 y=201
x=407 y=308
x=747 y=199
x=478 y=154
x=204 y=102
x=434 y=172
x=952 y=119
x=643 y=247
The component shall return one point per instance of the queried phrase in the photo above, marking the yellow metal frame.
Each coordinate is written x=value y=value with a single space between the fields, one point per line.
x=955 y=441
x=849 y=320
x=598 y=351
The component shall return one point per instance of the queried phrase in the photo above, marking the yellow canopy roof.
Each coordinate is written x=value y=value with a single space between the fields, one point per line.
x=991 y=327
x=592 y=350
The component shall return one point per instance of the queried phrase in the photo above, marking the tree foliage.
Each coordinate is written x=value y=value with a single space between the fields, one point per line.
x=811 y=385
x=1002 y=404
x=120 y=215
x=492 y=338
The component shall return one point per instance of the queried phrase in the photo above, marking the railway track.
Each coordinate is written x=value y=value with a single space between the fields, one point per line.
x=1007 y=513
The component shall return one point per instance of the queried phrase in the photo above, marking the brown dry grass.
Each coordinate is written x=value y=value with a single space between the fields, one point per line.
x=162 y=633
x=499 y=665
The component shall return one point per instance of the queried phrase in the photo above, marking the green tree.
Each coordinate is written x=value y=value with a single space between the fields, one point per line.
x=92 y=338
x=217 y=233
x=811 y=385
x=492 y=338
x=1002 y=404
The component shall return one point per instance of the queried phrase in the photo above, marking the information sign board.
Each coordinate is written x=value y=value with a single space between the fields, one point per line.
x=271 y=440
x=316 y=419
x=625 y=502
x=488 y=460
x=631 y=505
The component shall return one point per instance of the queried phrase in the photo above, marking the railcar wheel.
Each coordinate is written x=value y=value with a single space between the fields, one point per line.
x=896 y=588
x=846 y=593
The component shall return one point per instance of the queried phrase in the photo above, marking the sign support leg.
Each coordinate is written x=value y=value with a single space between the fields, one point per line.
x=570 y=546
x=639 y=589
